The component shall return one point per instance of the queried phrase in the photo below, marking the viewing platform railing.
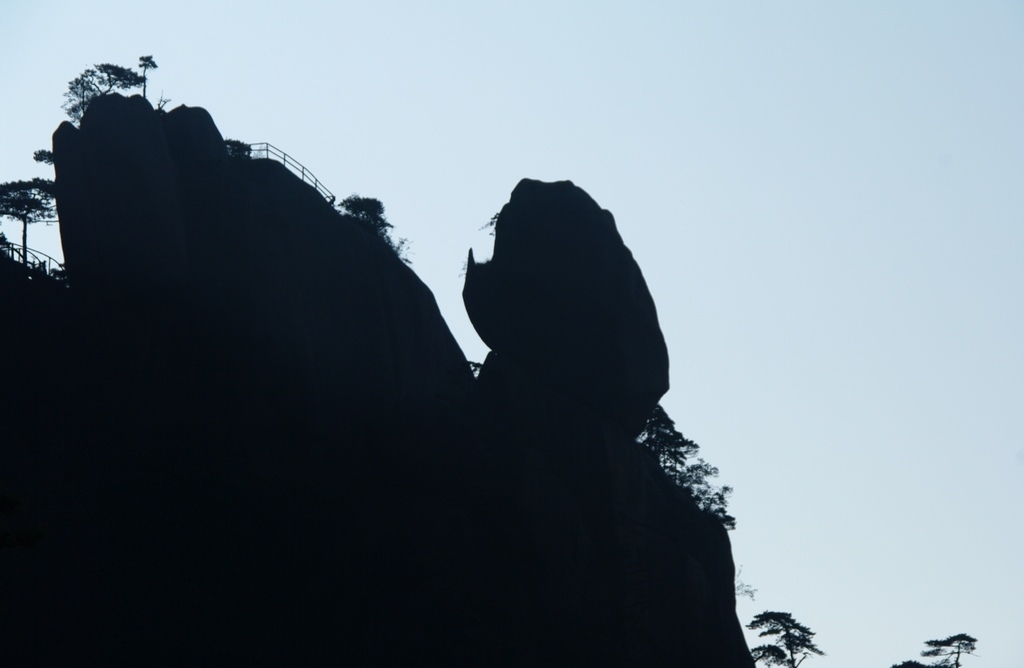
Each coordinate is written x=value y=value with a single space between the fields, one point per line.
x=33 y=260
x=263 y=150
x=36 y=262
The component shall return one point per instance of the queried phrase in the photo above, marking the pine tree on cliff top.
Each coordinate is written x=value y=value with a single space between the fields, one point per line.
x=98 y=80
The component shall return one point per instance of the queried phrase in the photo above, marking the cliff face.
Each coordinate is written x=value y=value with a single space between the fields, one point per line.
x=152 y=208
x=633 y=573
x=248 y=435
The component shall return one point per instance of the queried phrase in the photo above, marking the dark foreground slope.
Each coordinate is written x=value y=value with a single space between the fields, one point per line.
x=249 y=438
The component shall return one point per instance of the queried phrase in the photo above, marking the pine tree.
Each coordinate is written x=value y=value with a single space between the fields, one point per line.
x=146 y=63
x=792 y=639
x=368 y=214
x=95 y=81
x=28 y=202
x=677 y=456
x=948 y=651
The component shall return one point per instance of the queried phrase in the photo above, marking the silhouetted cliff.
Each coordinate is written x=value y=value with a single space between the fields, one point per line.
x=249 y=437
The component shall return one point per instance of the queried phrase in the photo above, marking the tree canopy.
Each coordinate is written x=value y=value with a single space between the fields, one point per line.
x=44 y=156
x=99 y=80
x=238 y=149
x=146 y=63
x=742 y=588
x=28 y=202
x=368 y=214
x=492 y=223
x=947 y=652
x=791 y=640
x=677 y=456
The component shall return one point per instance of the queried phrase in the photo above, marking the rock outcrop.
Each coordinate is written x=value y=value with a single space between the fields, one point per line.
x=563 y=296
x=241 y=251
x=120 y=207
x=633 y=573
x=248 y=436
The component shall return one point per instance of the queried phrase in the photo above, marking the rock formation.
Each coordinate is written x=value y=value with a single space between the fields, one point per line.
x=577 y=364
x=249 y=437
x=563 y=296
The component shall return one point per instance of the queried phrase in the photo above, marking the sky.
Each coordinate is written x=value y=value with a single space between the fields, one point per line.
x=826 y=200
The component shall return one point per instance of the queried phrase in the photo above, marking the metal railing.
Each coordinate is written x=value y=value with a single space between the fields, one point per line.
x=34 y=261
x=263 y=150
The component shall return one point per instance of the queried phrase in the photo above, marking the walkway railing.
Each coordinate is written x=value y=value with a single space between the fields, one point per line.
x=34 y=261
x=264 y=150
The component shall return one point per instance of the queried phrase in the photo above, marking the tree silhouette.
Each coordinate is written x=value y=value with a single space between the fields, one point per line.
x=676 y=455
x=769 y=655
x=910 y=664
x=95 y=81
x=114 y=77
x=368 y=214
x=29 y=202
x=238 y=149
x=44 y=156
x=146 y=63
x=741 y=587
x=792 y=639
x=949 y=650
x=492 y=223
x=81 y=90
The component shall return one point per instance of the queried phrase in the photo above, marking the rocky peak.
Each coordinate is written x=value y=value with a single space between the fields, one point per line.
x=563 y=296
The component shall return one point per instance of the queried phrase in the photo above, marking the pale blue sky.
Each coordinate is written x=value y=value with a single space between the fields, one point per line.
x=826 y=199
